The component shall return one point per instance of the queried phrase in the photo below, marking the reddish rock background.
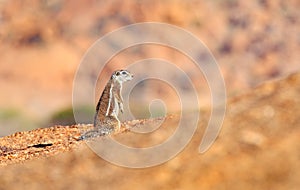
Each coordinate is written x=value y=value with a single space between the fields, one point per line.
x=42 y=43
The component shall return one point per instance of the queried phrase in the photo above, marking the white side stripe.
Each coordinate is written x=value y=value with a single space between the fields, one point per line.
x=109 y=99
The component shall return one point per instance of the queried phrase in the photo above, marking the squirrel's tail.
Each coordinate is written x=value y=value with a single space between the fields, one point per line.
x=98 y=132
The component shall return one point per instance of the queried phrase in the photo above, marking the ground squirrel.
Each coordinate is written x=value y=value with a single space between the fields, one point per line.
x=109 y=105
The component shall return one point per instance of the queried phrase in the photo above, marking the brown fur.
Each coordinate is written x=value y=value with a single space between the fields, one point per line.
x=110 y=103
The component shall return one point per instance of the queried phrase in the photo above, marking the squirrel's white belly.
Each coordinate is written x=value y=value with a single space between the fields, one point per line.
x=116 y=107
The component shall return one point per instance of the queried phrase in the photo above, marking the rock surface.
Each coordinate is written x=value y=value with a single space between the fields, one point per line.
x=258 y=148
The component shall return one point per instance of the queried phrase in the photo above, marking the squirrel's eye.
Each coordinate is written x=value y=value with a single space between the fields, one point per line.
x=124 y=73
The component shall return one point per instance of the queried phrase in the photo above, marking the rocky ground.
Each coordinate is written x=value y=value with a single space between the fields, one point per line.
x=257 y=149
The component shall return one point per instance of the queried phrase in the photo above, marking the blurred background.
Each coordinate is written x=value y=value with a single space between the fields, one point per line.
x=43 y=41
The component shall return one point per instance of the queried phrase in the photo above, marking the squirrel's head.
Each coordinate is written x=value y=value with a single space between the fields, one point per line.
x=122 y=76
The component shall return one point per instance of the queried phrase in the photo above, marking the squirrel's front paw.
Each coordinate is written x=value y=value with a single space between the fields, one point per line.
x=121 y=108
